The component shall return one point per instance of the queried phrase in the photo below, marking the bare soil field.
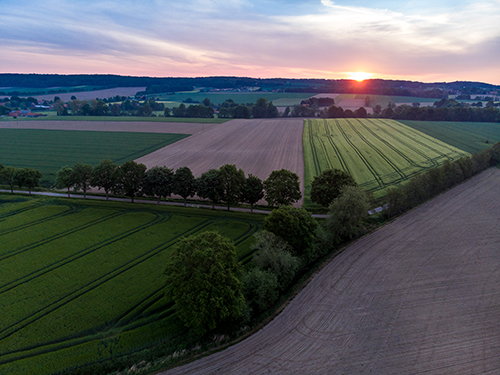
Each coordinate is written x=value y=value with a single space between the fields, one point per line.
x=89 y=95
x=113 y=126
x=420 y=295
x=257 y=146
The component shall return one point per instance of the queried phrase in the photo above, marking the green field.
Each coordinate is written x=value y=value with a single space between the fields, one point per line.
x=279 y=99
x=81 y=281
x=378 y=153
x=467 y=136
x=49 y=150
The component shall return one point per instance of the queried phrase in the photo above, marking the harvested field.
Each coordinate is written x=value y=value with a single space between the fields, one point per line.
x=257 y=146
x=111 y=126
x=420 y=295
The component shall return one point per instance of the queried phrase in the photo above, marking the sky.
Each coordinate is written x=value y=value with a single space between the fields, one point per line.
x=428 y=41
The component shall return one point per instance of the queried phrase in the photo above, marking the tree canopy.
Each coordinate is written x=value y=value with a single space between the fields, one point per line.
x=130 y=177
x=327 y=186
x=104 y=176
x=65 y=178
x=233 y=181
x=184 y=183
x=209 y=186
x=282 y=188
x=202 y=280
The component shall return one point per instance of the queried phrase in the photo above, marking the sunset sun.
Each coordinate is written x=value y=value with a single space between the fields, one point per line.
x=359 y=76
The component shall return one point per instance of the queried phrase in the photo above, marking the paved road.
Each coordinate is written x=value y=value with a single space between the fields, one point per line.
x=419 y=296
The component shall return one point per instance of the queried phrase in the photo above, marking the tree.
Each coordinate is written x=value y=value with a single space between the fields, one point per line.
x=184 y=183
x=253 y=191
x=82 y=175
x=65 y=178
x=104 y=176
x=7 y=174
x=209 y=186
x=282 y=188
x=158 y=182
x=27 y=177
x=261 y=289
x=130 y=176
x=233 y=181
x=348 y=212
x=274 y=254
x=294 y=225
x=327 y=186
x=202 y=280
x=260 y=108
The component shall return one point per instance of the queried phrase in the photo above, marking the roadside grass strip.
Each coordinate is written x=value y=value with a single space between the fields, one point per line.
x=81 y=282
x=49 y=150
x=378 y=153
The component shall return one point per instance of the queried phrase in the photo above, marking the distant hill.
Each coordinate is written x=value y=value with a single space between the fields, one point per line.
x=171 y=84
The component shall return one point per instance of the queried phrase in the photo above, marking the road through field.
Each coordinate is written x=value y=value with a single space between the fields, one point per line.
x=257 y=146
x=418 y=296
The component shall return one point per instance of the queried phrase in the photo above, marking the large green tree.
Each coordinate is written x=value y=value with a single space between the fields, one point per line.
x=28 y=178
x=7 y=175
x=158 y=182
x=233 y=181
x=130 y=177
x=209 y=186
x=65 y=179
x=184 y=183
x=104 y=176
x=347 y=213
x=294 y=225
x=202 y=280
x=253 y=191
x=327 y=186
x=82 y=175
x=282 y=188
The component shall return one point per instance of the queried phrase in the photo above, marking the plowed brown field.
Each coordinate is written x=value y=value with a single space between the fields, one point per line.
x=111 y=126
x=257 y=146
x=420 y=295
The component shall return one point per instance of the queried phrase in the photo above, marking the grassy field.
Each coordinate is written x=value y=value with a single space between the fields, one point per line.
x=81 y=281
x=467 y=136
x=378 y=153
x=49 y=150
x=279 y=99
x=384 y=100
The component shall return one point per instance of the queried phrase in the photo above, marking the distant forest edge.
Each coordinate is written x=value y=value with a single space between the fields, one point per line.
x=36 y=84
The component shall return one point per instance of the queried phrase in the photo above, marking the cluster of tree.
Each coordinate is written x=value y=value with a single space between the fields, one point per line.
x=443 y=113
x=209 y=287
x=28 y=178
x=99 y=107
x=202 y=110
x=425 y=186
x=226 y=184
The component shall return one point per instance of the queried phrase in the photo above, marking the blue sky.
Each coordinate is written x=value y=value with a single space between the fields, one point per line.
x=424 y=41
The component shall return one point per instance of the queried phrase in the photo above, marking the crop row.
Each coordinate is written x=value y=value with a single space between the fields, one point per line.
x=377 y=153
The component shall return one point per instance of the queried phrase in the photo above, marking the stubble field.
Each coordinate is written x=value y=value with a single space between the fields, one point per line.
x=418 y=296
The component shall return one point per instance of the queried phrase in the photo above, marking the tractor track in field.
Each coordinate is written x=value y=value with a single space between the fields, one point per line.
x=418 y=296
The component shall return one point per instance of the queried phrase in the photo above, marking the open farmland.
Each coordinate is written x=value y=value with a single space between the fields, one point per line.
x=49 y=150
x=378 y=153
x=467 y=136
x=257 y=146
x=81 y=281
x=418 y=296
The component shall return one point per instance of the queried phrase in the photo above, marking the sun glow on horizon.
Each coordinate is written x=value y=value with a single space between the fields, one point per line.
x=359 y=76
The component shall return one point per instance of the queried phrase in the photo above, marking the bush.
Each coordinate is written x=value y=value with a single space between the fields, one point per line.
x=261 y=289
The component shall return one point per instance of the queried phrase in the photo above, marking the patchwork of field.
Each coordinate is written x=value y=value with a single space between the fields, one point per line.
x=418 y=296
x=89 y=95
x=257 y=146
x=378 y=153
x=49 y=150
x=468 y=136
x=81 y=282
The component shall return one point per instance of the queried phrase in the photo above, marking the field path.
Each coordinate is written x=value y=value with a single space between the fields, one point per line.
x=257 y=146
x=419 y=296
